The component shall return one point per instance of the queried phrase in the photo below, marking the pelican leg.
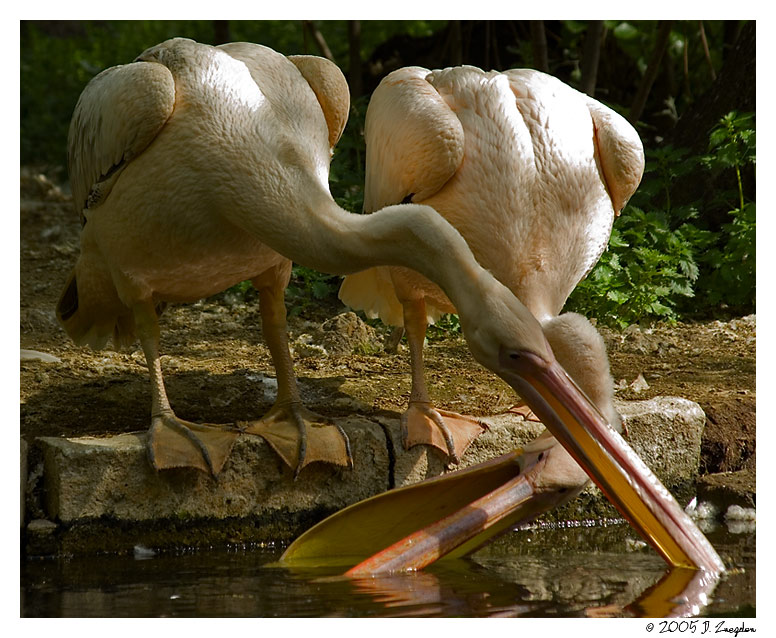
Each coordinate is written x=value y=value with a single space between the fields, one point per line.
x=173 y=442
x=422 y=424
x=298 y=435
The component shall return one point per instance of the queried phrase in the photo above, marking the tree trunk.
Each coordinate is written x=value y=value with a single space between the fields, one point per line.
x=355 y=71
x=539 y=46
x=637 y=108
x=591 y=53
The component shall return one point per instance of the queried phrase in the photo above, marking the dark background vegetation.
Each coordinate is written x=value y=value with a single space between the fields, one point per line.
x=685 y=245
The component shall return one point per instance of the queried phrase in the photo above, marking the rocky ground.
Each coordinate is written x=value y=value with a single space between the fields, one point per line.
x=218 y=370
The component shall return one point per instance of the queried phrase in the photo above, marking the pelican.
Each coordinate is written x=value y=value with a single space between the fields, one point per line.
x=532 y=174
x=228 y=167
x=183 y=164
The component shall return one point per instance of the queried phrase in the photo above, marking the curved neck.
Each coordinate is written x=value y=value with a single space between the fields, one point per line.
x=409 y=235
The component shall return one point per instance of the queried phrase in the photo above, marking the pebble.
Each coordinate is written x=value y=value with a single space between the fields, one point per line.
x=738 y=513
x=141 y=552
x=740 y=520
x=702 y=510
x=34 y=355
x=639 y=384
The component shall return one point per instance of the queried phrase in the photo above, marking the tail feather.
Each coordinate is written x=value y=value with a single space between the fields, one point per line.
x=372 y=291
x=92 y=314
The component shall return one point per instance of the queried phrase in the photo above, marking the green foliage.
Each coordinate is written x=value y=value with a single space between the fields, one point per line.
x=346 y=176
x=729 y=276
x=658 y=259
x=663 y=166
x=445 y=326
x=732 y=144
x=308 y=287
x=647 y=268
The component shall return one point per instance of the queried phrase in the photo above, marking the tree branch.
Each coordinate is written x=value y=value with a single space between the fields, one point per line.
x=706 y=51
x=319 y=40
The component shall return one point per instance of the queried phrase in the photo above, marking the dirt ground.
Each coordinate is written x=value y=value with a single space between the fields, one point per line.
x=217 y=368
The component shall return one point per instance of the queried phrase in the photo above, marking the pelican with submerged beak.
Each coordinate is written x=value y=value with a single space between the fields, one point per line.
x=532 y=173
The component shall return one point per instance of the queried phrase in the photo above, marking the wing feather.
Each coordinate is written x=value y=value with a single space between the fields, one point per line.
x=414 y=141
x=619 y=151
x=118 y=115
x=331 y=89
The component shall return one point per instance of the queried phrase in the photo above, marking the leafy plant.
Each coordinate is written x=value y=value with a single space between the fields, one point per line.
x=729 y=277
x=663 y=166
x=309 y=286
x=445 y=326
x=646 y=270
x=659 y=256
x=732 y=144
x=346 y=176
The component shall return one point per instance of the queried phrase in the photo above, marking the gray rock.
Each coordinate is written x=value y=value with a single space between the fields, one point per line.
x=41 y=537
x=729 y=488
x=23 y=478
x=346 y=332
x=35 y=355
x=666 y=433
x=505 y=433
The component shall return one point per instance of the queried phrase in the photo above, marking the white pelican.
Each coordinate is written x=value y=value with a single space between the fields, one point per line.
x=199 y=164
x=176 y=161
x=532 y=174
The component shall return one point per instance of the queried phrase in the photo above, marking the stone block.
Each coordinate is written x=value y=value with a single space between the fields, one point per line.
x=90 y=478
x=505 y=433
x=666 y=433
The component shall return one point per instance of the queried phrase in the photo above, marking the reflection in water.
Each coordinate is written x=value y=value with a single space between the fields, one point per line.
x=679 y=593
x=542 y=572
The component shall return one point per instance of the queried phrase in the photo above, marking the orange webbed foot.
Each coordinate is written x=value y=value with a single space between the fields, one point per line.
x=173 y=442
x=450 y=432
x=523 y=410
x=300 y=437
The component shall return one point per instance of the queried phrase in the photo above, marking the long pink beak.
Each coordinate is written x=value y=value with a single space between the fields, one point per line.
x=579 y=426
x=612 y=464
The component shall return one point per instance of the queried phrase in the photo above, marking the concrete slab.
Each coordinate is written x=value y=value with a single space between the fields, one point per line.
x=93 y=485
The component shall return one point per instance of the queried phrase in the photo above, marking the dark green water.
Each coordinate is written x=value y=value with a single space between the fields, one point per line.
x=567 y=572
